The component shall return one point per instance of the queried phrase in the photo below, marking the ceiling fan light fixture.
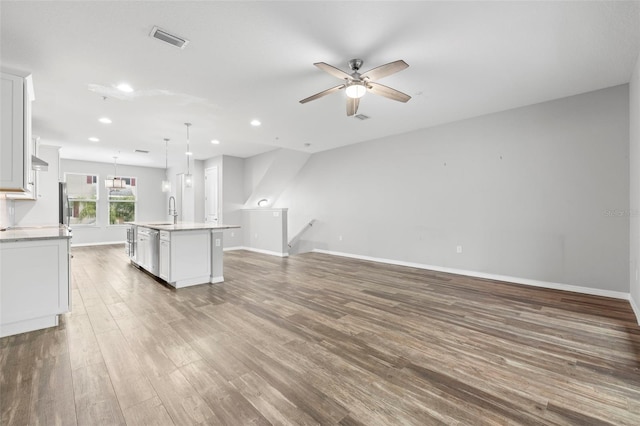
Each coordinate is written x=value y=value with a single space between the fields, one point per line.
x=356 y=90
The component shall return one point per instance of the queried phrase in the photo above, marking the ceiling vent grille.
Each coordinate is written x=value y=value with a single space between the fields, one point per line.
x=141 y=151
x=173 y=40
x=362 y=117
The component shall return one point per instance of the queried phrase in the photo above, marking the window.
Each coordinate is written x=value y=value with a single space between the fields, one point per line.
x=122 y=201
x=82 y=191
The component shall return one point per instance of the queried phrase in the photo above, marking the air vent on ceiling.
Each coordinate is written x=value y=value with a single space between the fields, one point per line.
x=362 y=117
x=141 y=151
x=173 y=40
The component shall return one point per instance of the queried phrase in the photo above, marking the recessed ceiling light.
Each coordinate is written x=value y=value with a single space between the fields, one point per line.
x=94 y=139
x=255 y=123
x=124 y=87
x=215 y=141
x=105 y=120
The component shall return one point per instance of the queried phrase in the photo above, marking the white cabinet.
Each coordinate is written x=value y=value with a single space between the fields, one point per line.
x=165 y=259
x=16 y=94
x=185 y=257
x=34 y=286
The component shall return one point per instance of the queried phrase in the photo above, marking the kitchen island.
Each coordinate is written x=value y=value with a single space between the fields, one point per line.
x=182 y=254
x=34 y=278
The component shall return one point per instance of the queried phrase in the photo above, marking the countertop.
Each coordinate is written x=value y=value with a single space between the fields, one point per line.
x=34 y=233
x=181 y=226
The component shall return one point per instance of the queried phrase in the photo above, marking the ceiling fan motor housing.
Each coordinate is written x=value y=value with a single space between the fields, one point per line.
x=355 y=64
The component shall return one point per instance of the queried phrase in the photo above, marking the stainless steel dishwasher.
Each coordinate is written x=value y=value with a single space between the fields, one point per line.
x=148 y=246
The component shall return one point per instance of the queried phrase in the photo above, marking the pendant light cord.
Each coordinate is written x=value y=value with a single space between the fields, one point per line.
x=166 y=158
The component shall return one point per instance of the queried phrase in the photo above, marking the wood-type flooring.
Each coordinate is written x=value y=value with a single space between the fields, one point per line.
x=319 y=339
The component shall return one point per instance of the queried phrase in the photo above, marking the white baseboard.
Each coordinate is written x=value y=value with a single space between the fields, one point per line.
x=233 y=248
x=635 y=307
x=505 y=278
x=215 y=280
x=269 y=252
x=108 y=243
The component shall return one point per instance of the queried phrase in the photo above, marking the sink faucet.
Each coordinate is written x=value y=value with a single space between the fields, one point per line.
x=173 y=212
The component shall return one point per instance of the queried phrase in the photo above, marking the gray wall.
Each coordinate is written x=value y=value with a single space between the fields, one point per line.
x=533 y=193
x=265 y=230
x=151 y=205
x=634 y=194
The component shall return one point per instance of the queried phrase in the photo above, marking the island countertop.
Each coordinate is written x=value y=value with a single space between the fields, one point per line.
x=34 y=233
x=182 y=226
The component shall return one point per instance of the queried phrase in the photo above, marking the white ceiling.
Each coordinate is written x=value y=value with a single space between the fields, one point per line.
x=249 y=60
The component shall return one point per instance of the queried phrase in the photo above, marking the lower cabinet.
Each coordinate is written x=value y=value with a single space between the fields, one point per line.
x=185 y=257
x=165 y=259
x=35 y=284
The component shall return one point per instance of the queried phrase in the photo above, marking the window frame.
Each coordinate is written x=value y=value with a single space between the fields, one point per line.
x=133 y=179
x=71 y=199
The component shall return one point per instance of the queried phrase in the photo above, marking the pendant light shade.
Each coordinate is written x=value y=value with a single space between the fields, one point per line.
x=166 y=183
x=188 y=177
x=115 y=182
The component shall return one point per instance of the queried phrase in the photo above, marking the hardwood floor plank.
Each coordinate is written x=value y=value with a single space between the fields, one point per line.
x=277 y=409
x=52 y=400
x=229 y=405
x=131 y=386
x=101 y=319
x=83 y=346
x=95 y=399
x=148 y=413
x=183 y=403
x=319 y=339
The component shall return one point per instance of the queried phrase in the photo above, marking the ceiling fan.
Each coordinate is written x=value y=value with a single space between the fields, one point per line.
x=356 y=84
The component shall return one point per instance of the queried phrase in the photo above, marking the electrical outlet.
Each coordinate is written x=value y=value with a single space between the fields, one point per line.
x=339 y=237
x=233 y=234
x=458 y=249
x=276 y=214
x=255 y=235
x=217 y=242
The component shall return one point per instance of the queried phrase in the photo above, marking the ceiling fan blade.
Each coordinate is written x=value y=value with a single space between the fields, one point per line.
x=385 y=70
x=387 y=92
x=321 y=94
x=332 y=70
x=352 y=106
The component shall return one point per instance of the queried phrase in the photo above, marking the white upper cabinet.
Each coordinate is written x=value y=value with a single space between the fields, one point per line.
x=16 y=94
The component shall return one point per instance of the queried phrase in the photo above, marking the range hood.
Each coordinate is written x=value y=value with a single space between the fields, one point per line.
x=39 y=164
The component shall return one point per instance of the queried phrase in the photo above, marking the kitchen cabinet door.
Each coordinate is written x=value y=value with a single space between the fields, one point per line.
x=165 y=260
x=31 y=297
x=16 y=94
x=142 y=257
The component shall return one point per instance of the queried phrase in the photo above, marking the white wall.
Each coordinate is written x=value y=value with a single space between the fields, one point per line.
x=283 y=165
x=634 y=194
x=44 y=210
x=533 y=193
x=231 y=196
x=233 y=199
x=151 y=204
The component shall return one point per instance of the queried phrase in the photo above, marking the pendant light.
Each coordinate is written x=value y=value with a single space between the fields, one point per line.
x=166 y=183
x=188 y=177
x=115 y=182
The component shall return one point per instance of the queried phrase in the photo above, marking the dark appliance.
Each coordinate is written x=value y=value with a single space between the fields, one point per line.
x=63 y=204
